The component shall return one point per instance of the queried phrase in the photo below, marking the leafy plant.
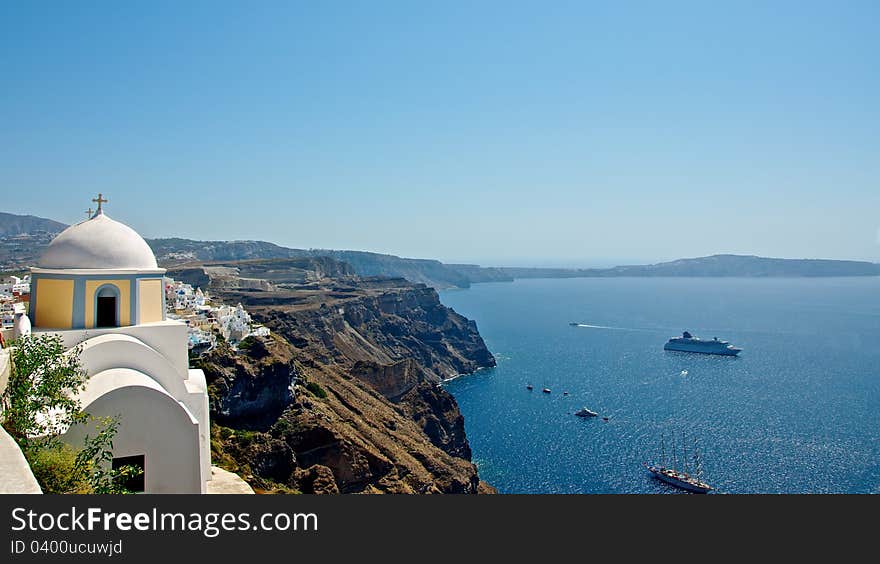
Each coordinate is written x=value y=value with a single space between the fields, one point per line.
x=94 y=460
x=247 y=343
x=54 y=467
x=40 y=403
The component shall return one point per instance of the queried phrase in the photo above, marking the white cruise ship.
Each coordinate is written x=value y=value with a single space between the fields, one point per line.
x=689 y=343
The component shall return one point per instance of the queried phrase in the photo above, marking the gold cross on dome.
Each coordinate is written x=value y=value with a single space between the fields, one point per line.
x=99 y=200
x=89 y=212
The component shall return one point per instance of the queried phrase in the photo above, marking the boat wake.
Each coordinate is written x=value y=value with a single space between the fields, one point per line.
x=588 y=326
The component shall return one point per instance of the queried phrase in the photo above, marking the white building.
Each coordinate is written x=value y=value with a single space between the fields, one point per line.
x=98 y=285
x=194 y=307
x=7 y=314
x=15 y=286
x=7 y=285
x=234 y=322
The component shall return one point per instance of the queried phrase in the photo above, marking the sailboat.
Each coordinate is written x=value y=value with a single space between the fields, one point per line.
x=679 y=477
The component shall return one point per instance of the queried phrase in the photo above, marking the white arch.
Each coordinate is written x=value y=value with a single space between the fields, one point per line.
x=152 y=423
x=116 y=350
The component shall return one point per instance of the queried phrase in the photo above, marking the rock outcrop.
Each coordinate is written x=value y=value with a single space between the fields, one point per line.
x=252 y=387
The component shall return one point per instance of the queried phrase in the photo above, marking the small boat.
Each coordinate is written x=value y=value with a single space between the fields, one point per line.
x=546 y=390
x=529 y=387
x=584 y=412
x=605 y=419
x=565 y=393
x=574 y=323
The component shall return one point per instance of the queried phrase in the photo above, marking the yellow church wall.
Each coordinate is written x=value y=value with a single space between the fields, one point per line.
x=54 y=310
x=124 y=287
x=150 y=301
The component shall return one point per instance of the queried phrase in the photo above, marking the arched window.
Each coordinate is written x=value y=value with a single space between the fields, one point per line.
x=107 y=306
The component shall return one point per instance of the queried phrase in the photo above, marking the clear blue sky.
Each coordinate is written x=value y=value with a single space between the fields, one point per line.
x=498 y=132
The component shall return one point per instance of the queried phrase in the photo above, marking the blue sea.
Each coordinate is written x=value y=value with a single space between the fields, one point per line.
x=797 y=412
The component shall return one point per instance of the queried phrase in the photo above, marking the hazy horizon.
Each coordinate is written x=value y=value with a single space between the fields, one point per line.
x=565 y=134
x=521 y=262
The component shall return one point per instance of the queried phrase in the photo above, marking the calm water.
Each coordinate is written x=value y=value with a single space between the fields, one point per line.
x=798 y=411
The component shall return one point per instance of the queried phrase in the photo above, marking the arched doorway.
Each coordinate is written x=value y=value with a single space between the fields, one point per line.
x=107 y=306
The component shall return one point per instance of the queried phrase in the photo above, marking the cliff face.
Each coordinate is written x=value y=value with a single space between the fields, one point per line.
x=367 y=415
x=251 y=388
x=383 y=326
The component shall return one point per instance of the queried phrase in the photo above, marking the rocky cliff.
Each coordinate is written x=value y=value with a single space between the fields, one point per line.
x=355 y=405
x=382 y=322
x=250 y=387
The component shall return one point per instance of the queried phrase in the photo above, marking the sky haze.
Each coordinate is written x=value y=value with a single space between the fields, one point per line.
x=545 y=133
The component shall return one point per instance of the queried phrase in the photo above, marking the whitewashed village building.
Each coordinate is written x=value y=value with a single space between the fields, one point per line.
x=98 y=285
x=13 y=291
x=203 y=317
x=15 y=286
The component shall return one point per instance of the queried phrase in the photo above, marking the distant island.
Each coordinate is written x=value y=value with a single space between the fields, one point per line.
x=715 y=266
x=22 y=239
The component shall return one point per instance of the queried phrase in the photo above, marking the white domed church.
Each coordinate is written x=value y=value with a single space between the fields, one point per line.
x=98 y=285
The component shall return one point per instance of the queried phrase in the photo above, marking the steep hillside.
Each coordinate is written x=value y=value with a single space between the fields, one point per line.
x=366 y=414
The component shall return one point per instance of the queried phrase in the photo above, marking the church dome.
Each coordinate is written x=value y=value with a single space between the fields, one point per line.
x=98 y=243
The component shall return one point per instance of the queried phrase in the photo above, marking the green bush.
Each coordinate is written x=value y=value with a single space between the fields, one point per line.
x=280 y=429
x=54 y=468
x=62 y=469
x=243 y=437
x=40 y=403
x=247 y=343
x=316 y=390
x=253 y=347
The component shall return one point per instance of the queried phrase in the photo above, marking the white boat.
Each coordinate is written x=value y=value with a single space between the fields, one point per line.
x=689 y=343
x=584 y=412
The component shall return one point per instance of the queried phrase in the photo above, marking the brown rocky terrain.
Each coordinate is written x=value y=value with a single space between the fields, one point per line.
x=345 y=395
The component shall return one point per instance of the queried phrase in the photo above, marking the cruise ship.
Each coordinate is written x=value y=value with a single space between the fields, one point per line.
x=689 y=343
